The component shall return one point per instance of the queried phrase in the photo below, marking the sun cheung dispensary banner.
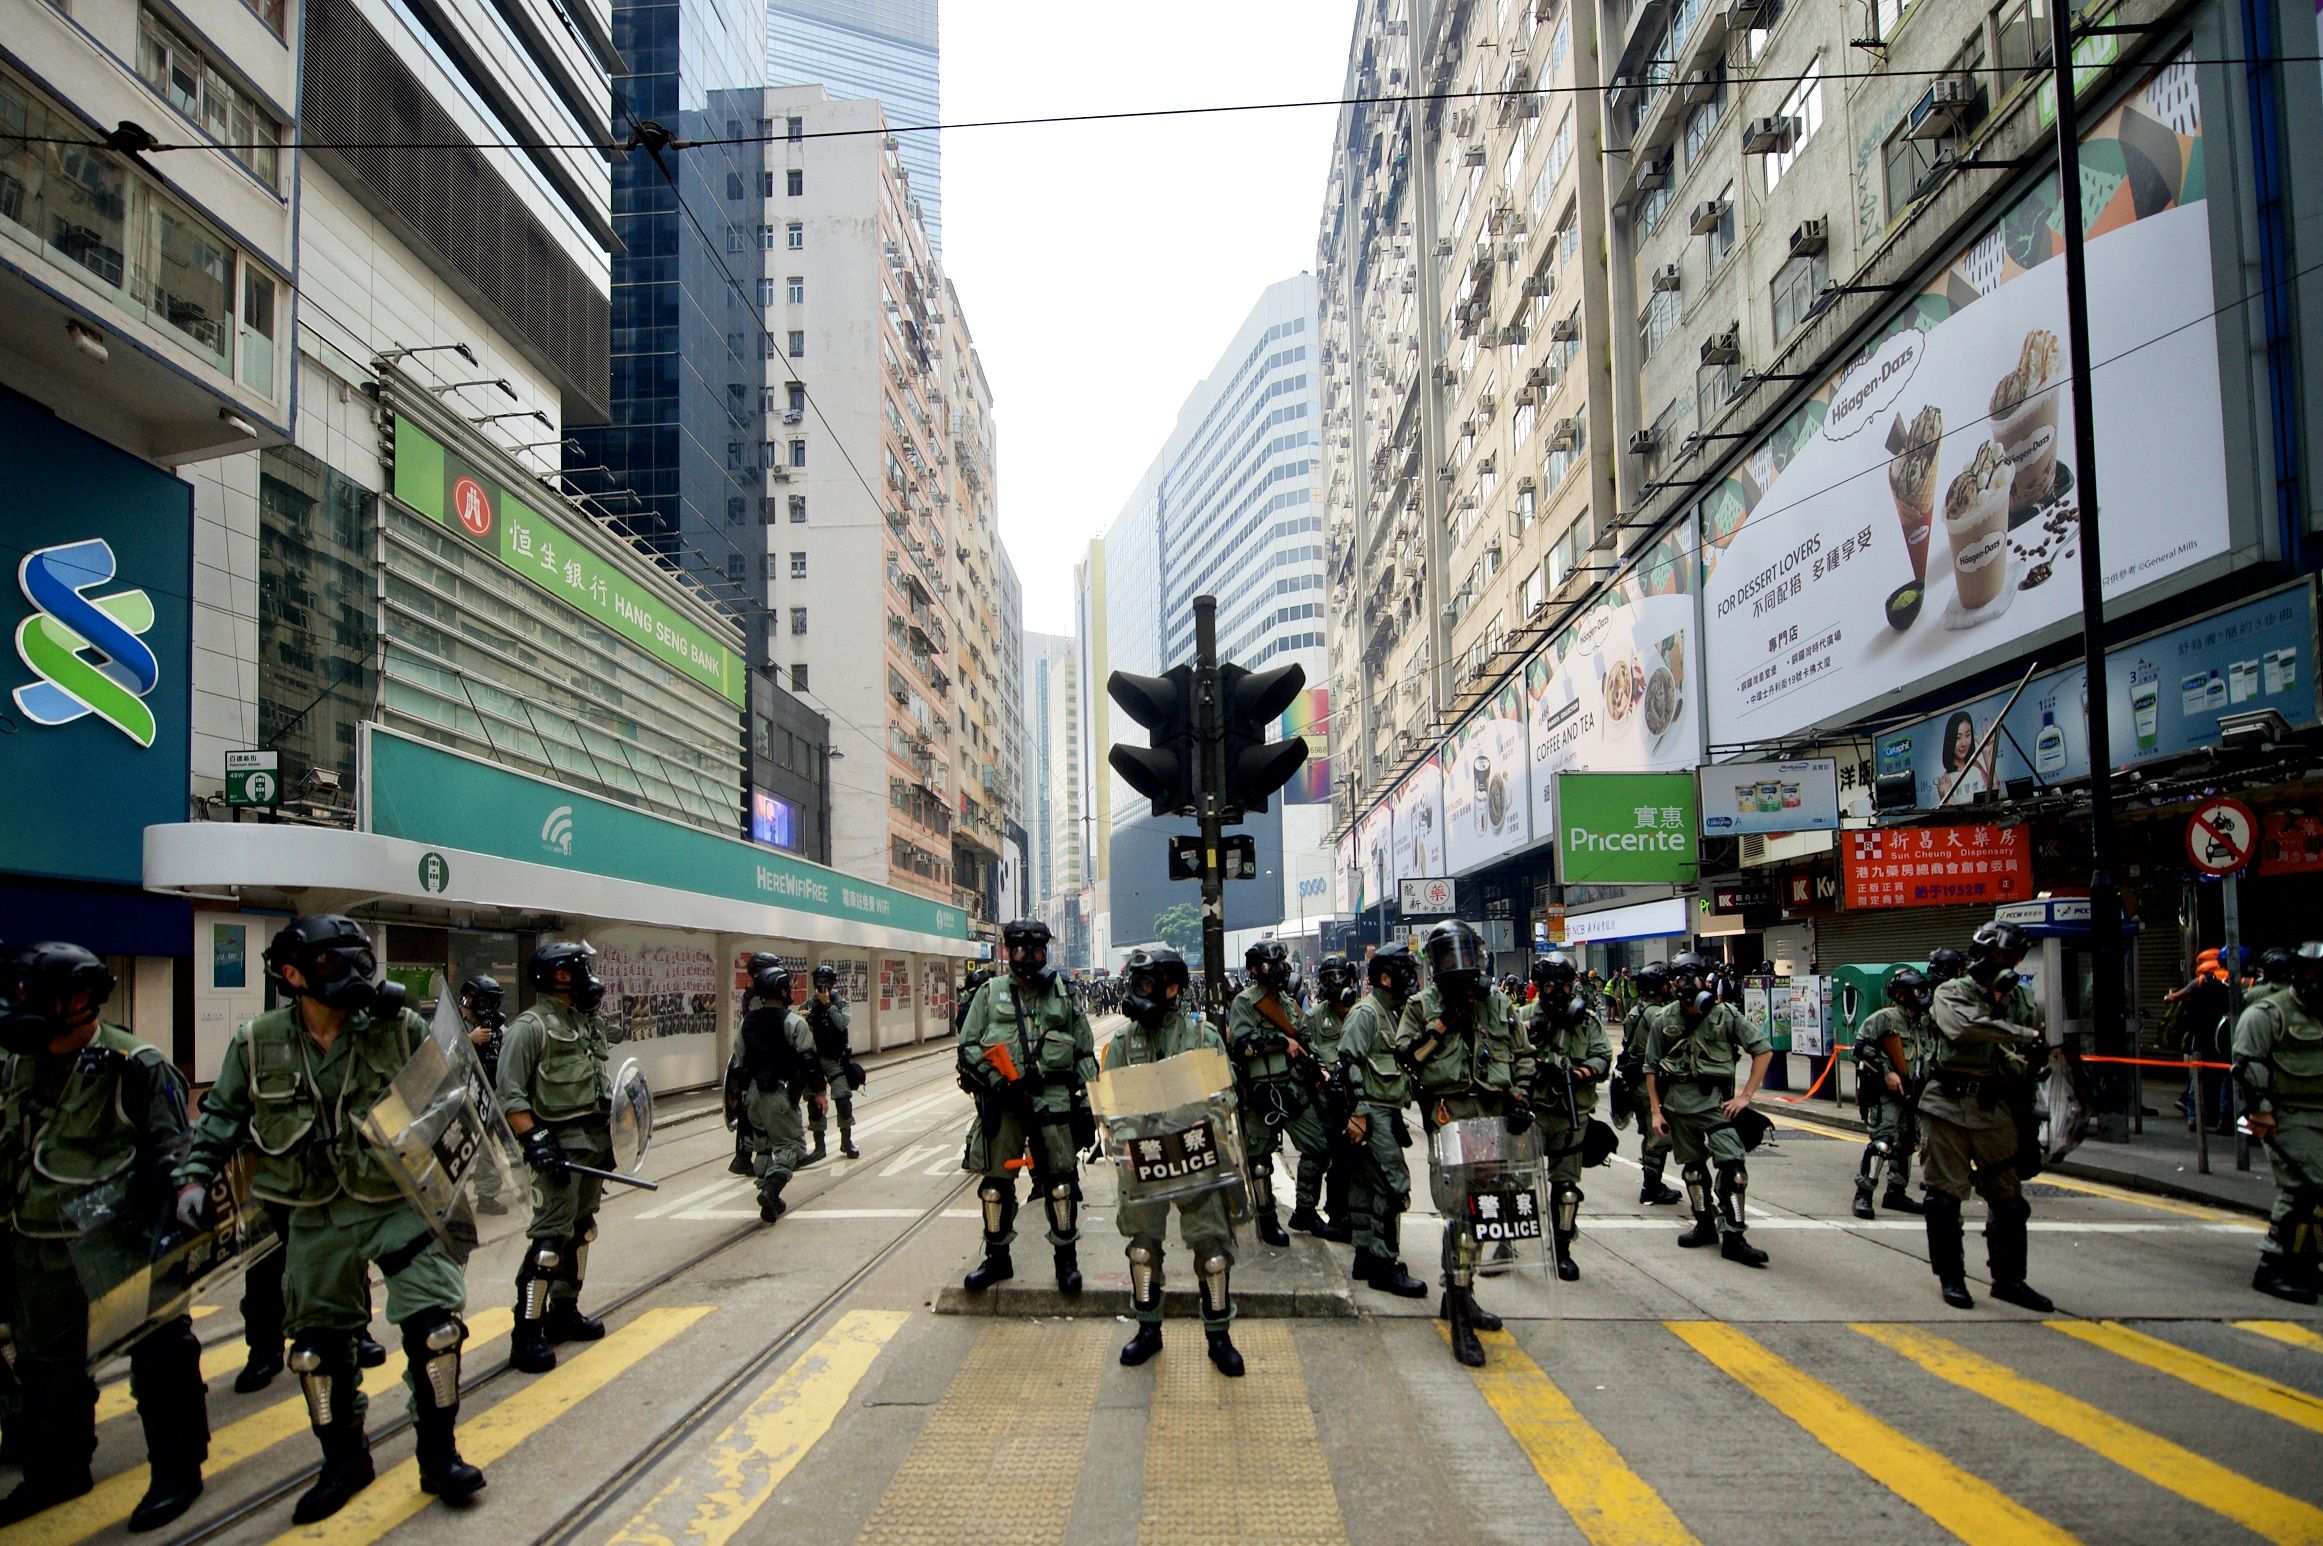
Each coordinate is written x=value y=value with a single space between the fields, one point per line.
x=1918 y=514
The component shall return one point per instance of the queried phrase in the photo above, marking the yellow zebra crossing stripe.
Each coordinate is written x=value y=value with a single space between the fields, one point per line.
x=2224 y=1380
x=395 y=1497
x=112 y=1499
x=2289 y=1333
x=711 y=1499
x=1608 y=1502
x=2171 y=1466
x=117 y=1400
x=1959 y=1500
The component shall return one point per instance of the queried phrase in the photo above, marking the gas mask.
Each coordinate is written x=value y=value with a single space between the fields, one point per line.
x=341 y=979
x=1029 y=963
x=1460 y=987
x=26 y=1031
x=1147 y=999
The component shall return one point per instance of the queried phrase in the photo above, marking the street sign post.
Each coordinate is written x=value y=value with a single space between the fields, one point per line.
x=253 y=780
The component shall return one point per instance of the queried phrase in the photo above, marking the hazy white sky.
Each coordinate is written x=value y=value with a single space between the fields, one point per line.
x=1103 y=266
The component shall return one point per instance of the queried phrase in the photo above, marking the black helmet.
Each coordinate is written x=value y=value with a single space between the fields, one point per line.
x=1022 y=937
x=826 y=975
x=1944 y=964
x=1653 y=980
x=1393 y=968
x=1455 y=950
x=1909 y=988
x=772 y=984
x=563 y=966
x=760 y=960
x=1148 y=975
x=1554 y=972
x=334 y=957
x=1269 y=964
x=2276 y=964
x=1688 y=967
x=36 y=982
x=1996 y=947
x=483 y=995
x=976 y=978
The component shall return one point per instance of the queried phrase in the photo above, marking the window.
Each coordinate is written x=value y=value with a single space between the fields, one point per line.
x=798 y=625
x=798 y=509
x=798 y=566
x=794 y=236
x=1907 y=163
x=1703 y=122
x=1885 y=14
x=798 y=344
x=733 y=238
x=794 y=289
x=794 y=128
x=1804 y=107
x=733 y=185
x=733 y=456
x=226 y=113
x=1713 y=386
x=765 y=293
x=1721 y=238
x=1658 y=322
x=257 y=329
x=798 y=673
x=797 y=399
x=735 y=570
x=736 y=506
x=794 y=182
x=1797 y=290
x=798 y=453
x=767 y=185
x=2022 y=30
x=1652 y=206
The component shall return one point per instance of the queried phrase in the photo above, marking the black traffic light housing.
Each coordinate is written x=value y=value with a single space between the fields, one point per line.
x=1168 y=771
x=1250 y=702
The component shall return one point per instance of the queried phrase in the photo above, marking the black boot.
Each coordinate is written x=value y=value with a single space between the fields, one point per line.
x=995 y=1268
x=432 y=1341
x=1270 y=1228
x=2006 y=1250
x=566 y=1323
x=1222 y=1352
x=368 y=1353
x=817 y=1156
x=1704 y=1232
x=37 y=1492
x=1306 y=1220
x=1478 y=1316
x=260 y=1371
x=847 y=1143
x=1862 y=1208
x=1946 y=1258
x=60 y=1439
x=1459 y=1310
x=169 y=1492
x=1389 y=1277
x=1736 y=1247
x=165 y=1371
x=771 y=1207
x=1068 y=1270
x=1901 y=1201
x=528 y=1348
x=1567 y=1269
x=740 y=1164
x=327 y=1377
x=1652 y=1192
x=1143 y=1346
x=2280 y=1276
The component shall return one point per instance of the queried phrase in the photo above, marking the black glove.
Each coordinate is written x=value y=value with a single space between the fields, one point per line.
x=541 y=1151
x=1518 y=1118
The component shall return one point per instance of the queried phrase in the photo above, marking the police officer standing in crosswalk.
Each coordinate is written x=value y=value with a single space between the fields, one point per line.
x=1891 y=1054
x=295 y=1084
x=554 y=1088
x=1571 y=1057
x=1336 y=990
x=775 y=1058
x=86 y=1110
x=1380 y=1087
x=1691 y=1051
x=827 y=1019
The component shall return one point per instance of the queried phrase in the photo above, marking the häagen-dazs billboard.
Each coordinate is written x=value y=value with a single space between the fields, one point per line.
x=1486 y=804
x=1419 y=825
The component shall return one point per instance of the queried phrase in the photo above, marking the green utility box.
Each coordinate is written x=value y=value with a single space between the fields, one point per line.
x=1856 y=991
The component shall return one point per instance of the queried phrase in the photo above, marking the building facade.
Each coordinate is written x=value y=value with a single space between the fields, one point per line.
x=886 y=50
x=1053 y=800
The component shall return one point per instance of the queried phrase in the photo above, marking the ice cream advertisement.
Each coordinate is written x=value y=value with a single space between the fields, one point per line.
x=1419 y=825
x=1487 y=805
x=1919 y=512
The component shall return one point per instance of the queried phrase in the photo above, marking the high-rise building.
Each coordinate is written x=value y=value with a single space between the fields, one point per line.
x=1053 y=804
x=1226 y=510
x=887 y=50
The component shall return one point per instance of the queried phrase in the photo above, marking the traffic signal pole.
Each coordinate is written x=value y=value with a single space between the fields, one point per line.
x=1210 y=750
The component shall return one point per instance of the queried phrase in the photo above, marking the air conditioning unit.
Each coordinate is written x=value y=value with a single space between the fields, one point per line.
x=1513 y=336
x=1655 y=175
x=1564 y=436
x=1486 y=402
x=1564 y=330
x=1534 y=285
x=1461 y=124
x=1527 y=395
x=1951 y=106
x=1699 y=86
x=1472 y=156
x=1811 y=237
x=1742 y=13
x=1769 y=136
x=1447 y=375
x=1667 y=277
x=1443 y=246
x=1643 y=443
x=1708 y=216
x=779 y=473
x=1724 y=349
x=1539 y=376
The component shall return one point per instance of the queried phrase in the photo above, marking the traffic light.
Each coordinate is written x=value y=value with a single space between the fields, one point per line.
x=1250 y=702
x=1165 y=772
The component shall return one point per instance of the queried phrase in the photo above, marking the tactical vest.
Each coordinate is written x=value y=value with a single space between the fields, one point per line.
x=1326 y=1028
x=1983 y=1059
x=1570 y=1043
x=1916 y=1032
x=569 y=1082
x=88 y=1139
x=1273 y=1064
x=2294 y=1055
x=287 y=1110
x=768 y=1054
x=1383 y=1078
x=1483 y=1059
x=1042 y=1034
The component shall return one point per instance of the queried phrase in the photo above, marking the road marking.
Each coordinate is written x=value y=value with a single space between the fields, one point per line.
x=2223 y=1380
x=723 y=1184
x=2289 y=1333
x=908 y=1110
x=1957 y=1499
x=202 y=1311
x=2172 y=1466
x=916 y=1154
x=1607 y=1501
x=2159 y=1204
x=395 y=1497
x=1913 y=1226
x=113 y=1498
x=714 y=1497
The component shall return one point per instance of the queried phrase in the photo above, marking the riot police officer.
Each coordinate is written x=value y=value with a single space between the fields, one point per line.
x=559 y=1101
x=1337 y=988
x=1690 y=1055
x=480 y=1000
x=87 y=1108
x=1571 y=1058
x=1379 y=1088
x=1988 y=1032
x=295 y=1084
x=1891 y=1052
x=1268 y=1039
x=775 y=1058
x=1469 y=1058
x=1027 y=1054
x=828 y=1021
x=1154 y=982
x=2278 y=1061
x=1653 y=1149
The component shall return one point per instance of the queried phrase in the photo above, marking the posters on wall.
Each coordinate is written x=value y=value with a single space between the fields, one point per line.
x=938 y=989
x=2165 y=693
x=1615 y=691
x=1419 y=824
x=894 y=984
x=1343 y=875
x=657 y=984
x=1918 y=513
x=1487 y=788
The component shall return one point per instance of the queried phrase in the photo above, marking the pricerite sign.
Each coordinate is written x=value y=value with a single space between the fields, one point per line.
x=1626 y=828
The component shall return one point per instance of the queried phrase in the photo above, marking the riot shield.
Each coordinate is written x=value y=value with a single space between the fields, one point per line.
x=439 y=1130
x=632 y=1116
x=140 y=1266
x=1173 y=1130
x=1479 y=1172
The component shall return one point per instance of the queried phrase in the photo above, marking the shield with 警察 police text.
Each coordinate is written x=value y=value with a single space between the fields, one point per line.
x=139 y=1266
x=1478 y=1172
x=439 y=1129
x=1172 y=1129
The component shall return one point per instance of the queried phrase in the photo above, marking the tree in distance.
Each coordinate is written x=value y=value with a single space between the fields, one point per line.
x=1179 y=926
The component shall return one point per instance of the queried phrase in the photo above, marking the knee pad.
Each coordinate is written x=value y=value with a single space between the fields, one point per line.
x=1733 y=1189
x=999 y=1200
x=1565 y=1200
x=534 y=1276
x=1062 y=1199
x=1262 y=1181
x=2010 y=1210
x=432 y=1340
x=1144 y=1273
x=1216 y=1271
x=1697 y=1179
x=321 y=1361
x=579 y=1249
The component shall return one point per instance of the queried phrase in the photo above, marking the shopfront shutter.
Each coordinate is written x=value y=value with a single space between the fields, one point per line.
x=1884 y=935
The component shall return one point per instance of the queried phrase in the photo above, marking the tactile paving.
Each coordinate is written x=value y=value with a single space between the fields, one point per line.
x=1236 y=1460
x=1000 y=1456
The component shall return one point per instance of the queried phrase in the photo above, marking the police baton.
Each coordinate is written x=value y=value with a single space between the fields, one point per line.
x=612 y=1175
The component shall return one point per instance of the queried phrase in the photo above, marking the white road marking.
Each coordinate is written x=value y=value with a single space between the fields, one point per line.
x=913 y=1156
x=690 y=1198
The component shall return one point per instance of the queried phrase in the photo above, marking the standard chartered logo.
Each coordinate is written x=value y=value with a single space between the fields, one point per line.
x=85 y=649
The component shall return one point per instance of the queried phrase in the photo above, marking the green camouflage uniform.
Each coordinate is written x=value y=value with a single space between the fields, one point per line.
x=1274 y=1103
x=1581 y=1045
x=1473 y=1072
x=1968 y=1129
x=1380 y=1187
x=552 y=1066
x=1202 y=1222
x=1049 y=1039
x=1886 y=1114
x=1692 y=1065
x=776 y=1052
x=1653 y=1149
x=2278 y=1057
x=842 y=1093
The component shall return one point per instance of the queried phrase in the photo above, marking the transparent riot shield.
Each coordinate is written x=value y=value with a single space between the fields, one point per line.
x=139 y=1265
x=1173 y=1130
x=1493 y=1181
x=440 y=1132
x=632 y=1116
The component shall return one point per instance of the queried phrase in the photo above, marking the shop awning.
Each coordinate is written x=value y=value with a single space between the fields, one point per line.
x=326 y=869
